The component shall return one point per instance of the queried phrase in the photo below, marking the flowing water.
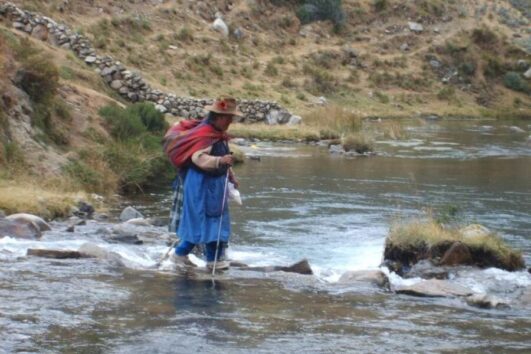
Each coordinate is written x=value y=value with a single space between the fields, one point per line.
x=299 y=202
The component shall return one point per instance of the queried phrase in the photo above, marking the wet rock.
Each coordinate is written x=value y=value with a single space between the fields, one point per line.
x=376 y=277
x=130 y=239
x=425 y=269
x=516 y=129
x=158 y=222
x=70 y=228
x=93 y=250
x=2 y=214
x=56 y=254
x=458 y=254
x=301 y=267
x=525 y=298
x=434 y=288
x=138 y=222
x=16 y=229
x=130 y=213
x=485 y=301
x=86 y=209
x=29 y=218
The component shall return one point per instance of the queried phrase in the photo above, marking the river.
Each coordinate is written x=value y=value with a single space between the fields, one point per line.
x=298 y=202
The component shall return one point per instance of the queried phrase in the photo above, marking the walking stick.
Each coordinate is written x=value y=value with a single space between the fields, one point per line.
x=220 y=220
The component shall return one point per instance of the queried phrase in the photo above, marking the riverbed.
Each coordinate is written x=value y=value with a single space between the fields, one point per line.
x=299 y=201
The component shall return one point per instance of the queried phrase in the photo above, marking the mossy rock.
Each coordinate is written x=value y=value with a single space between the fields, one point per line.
x=408 y=244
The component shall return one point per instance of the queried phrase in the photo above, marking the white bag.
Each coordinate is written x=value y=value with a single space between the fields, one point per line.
x=234 y=194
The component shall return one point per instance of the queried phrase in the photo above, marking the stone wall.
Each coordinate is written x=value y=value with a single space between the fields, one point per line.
x=128 y=84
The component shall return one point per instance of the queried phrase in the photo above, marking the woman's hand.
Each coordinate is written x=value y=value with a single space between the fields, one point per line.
x=234 y=181
x=226 y=160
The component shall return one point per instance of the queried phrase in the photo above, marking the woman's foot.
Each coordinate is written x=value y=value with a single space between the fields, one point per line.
x=220 y=265
x=182 y=261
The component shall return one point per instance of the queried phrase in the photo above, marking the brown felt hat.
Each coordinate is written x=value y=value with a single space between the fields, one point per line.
x=225 y=105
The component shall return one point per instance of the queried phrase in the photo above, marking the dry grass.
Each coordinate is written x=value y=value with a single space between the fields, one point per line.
x=274 y=132
x=427 y=233
x=359 y=142
x=26 y=197
x=334 y=117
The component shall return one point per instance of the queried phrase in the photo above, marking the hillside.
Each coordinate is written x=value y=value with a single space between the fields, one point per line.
x=374 y=58
x=373 y=62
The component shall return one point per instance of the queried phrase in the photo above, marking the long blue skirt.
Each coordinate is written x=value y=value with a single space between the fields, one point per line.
x=203 y=209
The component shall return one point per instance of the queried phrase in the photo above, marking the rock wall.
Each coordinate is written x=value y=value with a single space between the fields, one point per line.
x=128 y=84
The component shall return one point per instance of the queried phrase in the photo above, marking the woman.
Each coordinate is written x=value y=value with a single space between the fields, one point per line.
x=200 y=150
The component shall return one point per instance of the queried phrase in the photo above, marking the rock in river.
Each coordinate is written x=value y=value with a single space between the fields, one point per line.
x=56 y=254
x=130 y=213
x=18 y=229
x=434 y=288
x=376 y=277
x=29 y=218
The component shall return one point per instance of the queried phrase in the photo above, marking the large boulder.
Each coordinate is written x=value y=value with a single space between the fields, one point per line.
x=29 y=218
x=16 y=229
x=56 y=254
x=375 y=277
x=130 y=213
x=486 y=301
x=220 y=26
x=457 y=254
x=434 y=288
x=425 y=269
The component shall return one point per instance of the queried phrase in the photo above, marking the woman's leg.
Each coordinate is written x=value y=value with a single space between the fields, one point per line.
x=184 y=248
x=210 y=251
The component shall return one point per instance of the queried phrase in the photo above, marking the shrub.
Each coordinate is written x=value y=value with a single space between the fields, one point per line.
x=152 y=119
x=271 y=69
x=122 y=125
x=514 y=81
x=358 y=142
x=321 y=81
x=322 y=10
x=184 y=35
x=382 y=97
x=484 y=37
x=39 y=78
x=380 y=5
x=446 y=93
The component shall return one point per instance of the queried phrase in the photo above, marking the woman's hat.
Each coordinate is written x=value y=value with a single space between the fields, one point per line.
x=225 y=105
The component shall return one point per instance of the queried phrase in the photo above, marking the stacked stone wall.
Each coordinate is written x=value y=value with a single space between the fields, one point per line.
x=130 y=85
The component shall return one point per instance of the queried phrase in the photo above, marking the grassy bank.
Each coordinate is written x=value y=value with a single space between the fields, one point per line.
x=30 y=197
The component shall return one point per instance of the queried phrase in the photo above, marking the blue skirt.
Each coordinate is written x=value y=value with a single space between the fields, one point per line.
x=202 y=209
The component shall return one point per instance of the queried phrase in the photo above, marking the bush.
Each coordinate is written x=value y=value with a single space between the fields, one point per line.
x=446 y=93
x=152 y=119
x=484 y=37
x=39 y=78
x=357 y=142
x=123 y=124
x=380 y=5
x=322 y=10
x=514 y=81
x=271 y=69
